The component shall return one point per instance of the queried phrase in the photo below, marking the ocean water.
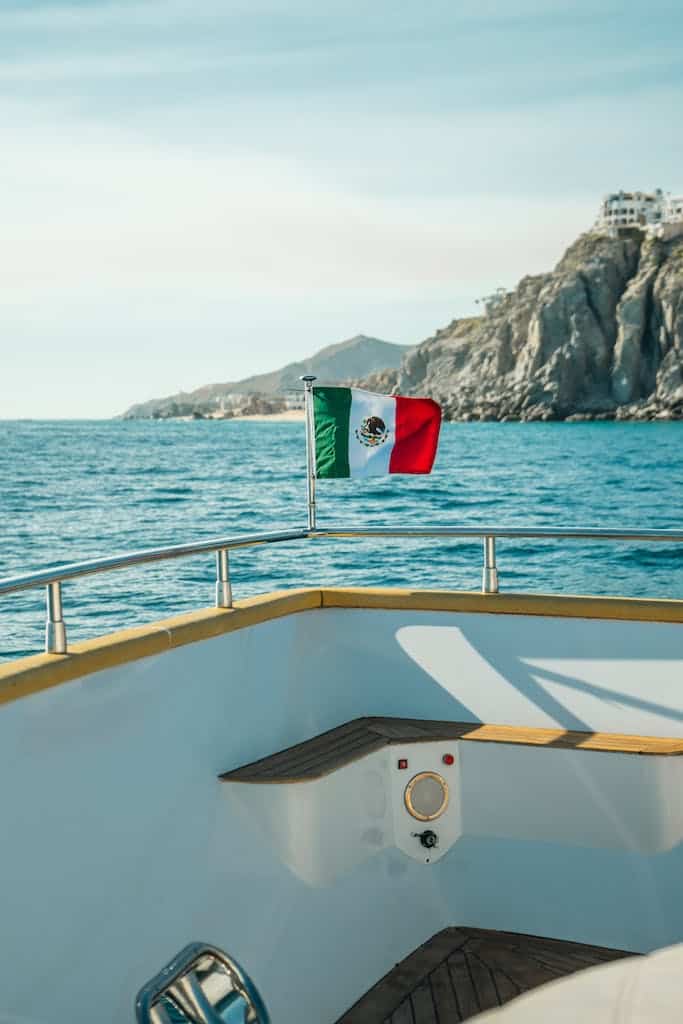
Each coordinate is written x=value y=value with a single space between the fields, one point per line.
x=75 y=490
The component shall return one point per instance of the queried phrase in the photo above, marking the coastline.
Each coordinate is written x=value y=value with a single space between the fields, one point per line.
x=298 y=416
x=290 y=416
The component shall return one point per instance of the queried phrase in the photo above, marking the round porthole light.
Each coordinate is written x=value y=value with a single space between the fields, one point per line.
x=426 y=796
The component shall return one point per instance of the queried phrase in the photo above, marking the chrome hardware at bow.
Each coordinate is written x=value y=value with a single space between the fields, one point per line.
x=223 y=588
x=489 y=577
x=55 y=630
x=201 y=985
x=55 y=634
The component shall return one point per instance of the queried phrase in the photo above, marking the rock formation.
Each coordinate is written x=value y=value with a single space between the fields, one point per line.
x=601 y=337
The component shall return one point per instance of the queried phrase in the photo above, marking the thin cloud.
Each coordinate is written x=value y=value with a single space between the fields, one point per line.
x=206 y=189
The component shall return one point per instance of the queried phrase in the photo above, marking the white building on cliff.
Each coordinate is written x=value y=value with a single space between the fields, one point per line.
x=657 y=213
x=674 y=209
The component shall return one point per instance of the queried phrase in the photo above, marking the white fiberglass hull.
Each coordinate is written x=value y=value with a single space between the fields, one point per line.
x=120 y=845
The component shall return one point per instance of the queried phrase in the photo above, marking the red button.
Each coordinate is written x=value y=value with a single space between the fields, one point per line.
x=403 y=762
x=448 y=759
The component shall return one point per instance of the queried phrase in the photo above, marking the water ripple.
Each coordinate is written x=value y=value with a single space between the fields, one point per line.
x=70 y=491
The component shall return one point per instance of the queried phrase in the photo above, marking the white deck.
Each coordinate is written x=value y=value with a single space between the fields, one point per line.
x=119 y=845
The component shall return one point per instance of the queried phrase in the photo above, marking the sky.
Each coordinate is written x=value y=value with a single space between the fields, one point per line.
x=199 y=190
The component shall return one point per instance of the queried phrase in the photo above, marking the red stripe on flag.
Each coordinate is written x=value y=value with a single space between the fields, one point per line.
x=417 y=434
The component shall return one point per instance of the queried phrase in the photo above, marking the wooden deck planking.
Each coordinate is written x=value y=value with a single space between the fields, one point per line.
x=323 y=754
x=463 y=986
x=461 y=972
x=444 y=994
x=522 y=969
x=505 y=986
x=403 y=1015
x=424 y=1011
x=482 y=979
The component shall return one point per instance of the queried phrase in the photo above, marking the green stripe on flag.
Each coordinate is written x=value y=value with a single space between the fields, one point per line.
x=332 y=411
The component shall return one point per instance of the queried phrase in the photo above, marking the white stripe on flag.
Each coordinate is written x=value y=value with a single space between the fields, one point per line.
x=368 y=459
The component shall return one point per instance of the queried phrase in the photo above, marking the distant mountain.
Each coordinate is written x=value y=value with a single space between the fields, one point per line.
x=335 y=364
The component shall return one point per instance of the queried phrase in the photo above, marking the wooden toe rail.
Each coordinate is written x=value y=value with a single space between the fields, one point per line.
x=333 y=749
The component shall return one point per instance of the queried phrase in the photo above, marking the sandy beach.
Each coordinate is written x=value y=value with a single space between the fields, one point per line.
x=291 y=415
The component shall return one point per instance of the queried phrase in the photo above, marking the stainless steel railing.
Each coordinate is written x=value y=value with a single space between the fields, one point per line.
x=52 y=578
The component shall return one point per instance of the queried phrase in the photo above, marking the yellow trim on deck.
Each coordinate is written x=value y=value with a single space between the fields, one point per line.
x=42 y=671
x=569 y=739
x=550 y=605
x=321 y=755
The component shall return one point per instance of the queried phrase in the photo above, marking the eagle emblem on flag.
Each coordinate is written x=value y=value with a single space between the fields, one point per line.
x=372 y=432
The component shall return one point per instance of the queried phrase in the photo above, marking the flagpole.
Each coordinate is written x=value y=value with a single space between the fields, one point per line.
x=310 y=448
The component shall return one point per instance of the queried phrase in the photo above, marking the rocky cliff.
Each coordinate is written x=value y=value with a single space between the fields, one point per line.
x=601 y=337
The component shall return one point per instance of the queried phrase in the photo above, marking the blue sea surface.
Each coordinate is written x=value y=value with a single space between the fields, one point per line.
x=76 y=490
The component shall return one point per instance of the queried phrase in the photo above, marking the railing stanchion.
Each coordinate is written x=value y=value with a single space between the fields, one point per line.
x=55 y=576
x=55 y=630
x=489 y=579
x=223 y=588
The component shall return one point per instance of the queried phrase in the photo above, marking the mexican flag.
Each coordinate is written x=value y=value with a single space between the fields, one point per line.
x=358 y=433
